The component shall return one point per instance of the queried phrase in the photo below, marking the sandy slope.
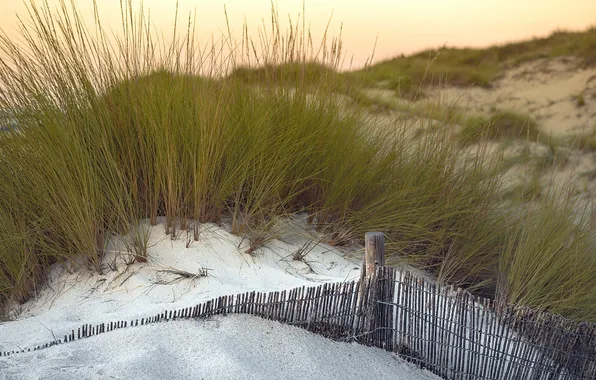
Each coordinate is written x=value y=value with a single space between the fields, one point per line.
x=547 y=89
x=232 y=347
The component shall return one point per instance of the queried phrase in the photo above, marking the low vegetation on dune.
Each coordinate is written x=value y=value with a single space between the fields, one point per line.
x=113 y=133
x=409 y=75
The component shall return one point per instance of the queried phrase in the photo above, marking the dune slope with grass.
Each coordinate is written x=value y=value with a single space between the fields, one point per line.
x=117 y=138
x=128 y=139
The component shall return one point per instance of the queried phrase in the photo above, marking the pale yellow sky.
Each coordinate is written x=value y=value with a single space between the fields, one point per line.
x=403 y=26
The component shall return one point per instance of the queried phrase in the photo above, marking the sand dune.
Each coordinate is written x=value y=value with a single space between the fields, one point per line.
x=547 y=89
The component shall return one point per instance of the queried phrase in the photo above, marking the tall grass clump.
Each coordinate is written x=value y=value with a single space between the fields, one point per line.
x=555 y=273
x=115 y=130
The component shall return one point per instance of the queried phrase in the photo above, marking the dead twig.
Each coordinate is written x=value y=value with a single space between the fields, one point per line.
x=51 y=331
x=182 y=274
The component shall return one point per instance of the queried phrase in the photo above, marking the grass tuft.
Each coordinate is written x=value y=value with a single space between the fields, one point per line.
x=499 y=125
x=554 y=273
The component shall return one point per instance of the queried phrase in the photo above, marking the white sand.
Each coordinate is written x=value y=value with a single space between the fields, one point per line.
x=232 y=347
x=235 y=347
x=141 y=290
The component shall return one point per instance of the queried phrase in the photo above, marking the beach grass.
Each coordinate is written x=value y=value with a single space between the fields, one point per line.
x=555 y=273
x=499 y=125
x=113 y=132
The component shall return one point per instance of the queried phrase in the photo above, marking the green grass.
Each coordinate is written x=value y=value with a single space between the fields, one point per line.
x=310 y=74
x=475 y=66
x=580 y=100
x=446 y=114
x=499 y=125
x=550 y=273
x=113 y=133
x=585 y=142
x=409 y=76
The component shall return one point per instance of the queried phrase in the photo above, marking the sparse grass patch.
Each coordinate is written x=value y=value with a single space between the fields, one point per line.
x=373 y=103
x=586 y=142
x=447 y=114
x=137 y=244
x=409 y=76
x=310 y=74
x=526 y=190
x=500 y=125
x=182 y=274
x=306 y=248
x=536 y=154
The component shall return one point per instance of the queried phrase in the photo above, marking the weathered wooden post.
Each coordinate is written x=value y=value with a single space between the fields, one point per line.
x=374 y=256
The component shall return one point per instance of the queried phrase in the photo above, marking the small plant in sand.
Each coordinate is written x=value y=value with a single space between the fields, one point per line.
x=138 y=243
x=580 y=100
x=257 y=239
x=180 y=275
x=307 y=247
x=257 y=231
x=301 y=253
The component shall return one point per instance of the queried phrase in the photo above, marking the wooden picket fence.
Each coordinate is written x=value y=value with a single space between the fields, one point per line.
x=446 y=330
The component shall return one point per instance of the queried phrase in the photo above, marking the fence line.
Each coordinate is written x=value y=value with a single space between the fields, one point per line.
x=446 y=330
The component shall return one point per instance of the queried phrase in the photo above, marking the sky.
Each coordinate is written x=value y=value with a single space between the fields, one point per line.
x=401 y=26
